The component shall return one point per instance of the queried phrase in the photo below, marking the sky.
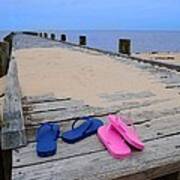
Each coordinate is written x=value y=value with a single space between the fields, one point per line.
x=90 y=14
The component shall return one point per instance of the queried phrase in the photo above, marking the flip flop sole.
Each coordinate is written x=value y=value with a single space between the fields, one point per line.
x=47 y=135
x=113 y=142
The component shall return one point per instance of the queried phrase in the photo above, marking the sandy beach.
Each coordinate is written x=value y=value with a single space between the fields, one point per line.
x=80 y=75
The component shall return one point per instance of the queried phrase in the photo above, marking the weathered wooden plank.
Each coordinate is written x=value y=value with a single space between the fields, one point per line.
x=143 y=114
x=156 y=129
x=57 y=116
x=139 y=116
x=52 y=106
x=43 y=99
x=159 y=157
x=145 y=117
x=13 y=131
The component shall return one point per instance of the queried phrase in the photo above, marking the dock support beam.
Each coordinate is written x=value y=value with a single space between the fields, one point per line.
x=63 y=37
x=82 y=40
x=125 y=46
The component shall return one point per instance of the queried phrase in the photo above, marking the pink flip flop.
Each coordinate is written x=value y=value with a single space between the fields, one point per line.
x=127 y=132
x=114 y=143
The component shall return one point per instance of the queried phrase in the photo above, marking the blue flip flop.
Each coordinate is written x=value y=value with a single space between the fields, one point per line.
x=46 y=138
x=87 y=128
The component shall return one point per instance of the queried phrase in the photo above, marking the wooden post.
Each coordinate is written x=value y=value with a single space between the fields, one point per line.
x=63 y=37
x=125 y=46
x=9 y=39
x=5 y=164
x=12 y=133
x=45 y=35
x=4 y=58
x=5 y=155
x=82 y=40
x=53 y=36
x=41 y=34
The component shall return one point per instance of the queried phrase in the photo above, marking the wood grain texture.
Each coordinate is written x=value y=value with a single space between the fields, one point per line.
x=143 y=115
x=156 y=129
x=79 y=112
x=13 y=131
x=52 y=106
x=42 y=99
x=100 y=165
x=156 y=120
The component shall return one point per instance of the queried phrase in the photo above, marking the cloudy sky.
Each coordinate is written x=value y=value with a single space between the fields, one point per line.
x=90 y=14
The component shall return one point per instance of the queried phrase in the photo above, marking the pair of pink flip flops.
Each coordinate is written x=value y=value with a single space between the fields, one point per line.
x=117 y=137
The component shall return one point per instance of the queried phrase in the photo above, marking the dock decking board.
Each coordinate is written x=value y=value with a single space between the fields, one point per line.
x=156 y=129
x=99 y=165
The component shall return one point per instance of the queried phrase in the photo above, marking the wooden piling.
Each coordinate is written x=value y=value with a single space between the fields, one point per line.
x=5 y=164
x=9 y=40
x=41 y=34
x=82 y=40
x=45 y=35
x=4 y=58
x=63 y=37
x=53 y=36
x=125 y=46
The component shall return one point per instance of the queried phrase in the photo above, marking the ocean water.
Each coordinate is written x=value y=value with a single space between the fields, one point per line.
x=142 y=41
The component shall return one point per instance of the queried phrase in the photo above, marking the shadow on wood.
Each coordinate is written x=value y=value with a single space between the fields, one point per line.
x=5 y=164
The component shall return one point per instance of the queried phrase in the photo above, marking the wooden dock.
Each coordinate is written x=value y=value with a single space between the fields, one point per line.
x=156 y=117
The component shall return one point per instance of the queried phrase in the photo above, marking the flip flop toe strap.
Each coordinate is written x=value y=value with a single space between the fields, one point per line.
x=84 y=118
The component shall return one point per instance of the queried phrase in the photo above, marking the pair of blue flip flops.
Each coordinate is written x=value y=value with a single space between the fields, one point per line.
x=48 y=133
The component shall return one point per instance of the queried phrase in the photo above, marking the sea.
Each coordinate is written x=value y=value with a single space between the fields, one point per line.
x=141 y=41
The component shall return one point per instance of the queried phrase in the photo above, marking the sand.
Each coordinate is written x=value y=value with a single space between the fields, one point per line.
x=80 y=75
